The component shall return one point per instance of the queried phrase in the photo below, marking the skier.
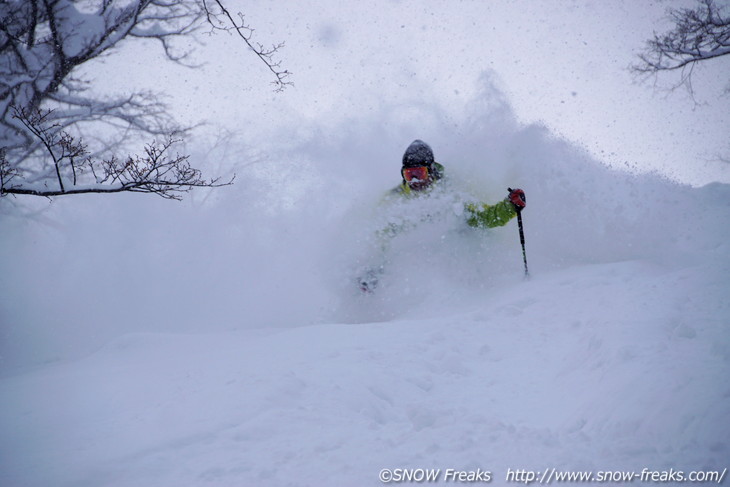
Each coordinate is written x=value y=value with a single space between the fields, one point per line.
x=421 y=176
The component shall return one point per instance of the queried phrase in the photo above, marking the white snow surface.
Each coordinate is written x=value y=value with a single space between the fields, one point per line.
x=222 y=341
x=609 y=366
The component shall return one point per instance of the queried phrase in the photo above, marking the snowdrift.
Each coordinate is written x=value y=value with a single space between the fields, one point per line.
x=222 y=341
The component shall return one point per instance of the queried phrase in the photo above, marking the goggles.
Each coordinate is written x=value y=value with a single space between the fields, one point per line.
x=415 y=174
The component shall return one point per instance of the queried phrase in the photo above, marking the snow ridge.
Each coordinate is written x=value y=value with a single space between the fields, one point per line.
x=257 y=361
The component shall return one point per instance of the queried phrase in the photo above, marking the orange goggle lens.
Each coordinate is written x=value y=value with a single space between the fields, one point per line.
x=419 y=173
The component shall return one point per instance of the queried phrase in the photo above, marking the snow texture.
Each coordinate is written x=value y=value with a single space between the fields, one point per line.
x=222 y=341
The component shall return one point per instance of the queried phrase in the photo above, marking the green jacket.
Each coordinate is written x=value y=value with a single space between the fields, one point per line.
x=481 y=215
x=478 y=215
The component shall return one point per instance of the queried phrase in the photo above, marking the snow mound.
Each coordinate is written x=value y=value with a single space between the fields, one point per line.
x=617 y=366
x=222 y=341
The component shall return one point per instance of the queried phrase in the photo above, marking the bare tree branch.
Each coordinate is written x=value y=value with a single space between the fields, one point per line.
x=154 y=172
x=246 y=33
x=43 y=43
x=699 y=34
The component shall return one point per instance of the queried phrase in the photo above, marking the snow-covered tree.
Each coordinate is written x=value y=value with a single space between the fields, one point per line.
x=699 y=34
x=47 y=109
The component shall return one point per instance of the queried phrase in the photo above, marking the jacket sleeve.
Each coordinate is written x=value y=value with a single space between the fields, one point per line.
x=487 y=216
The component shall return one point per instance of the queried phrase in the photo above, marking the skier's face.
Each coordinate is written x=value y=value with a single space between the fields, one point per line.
x=417 y=178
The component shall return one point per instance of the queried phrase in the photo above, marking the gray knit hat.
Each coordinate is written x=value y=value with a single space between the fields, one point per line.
x=418 y=154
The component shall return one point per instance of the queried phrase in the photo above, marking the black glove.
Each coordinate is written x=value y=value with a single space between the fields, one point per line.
x=517 y=198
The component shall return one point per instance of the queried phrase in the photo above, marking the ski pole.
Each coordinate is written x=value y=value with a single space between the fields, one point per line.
x=522 y=236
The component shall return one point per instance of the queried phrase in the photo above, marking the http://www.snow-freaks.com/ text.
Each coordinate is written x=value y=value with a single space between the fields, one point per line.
x=548 y=476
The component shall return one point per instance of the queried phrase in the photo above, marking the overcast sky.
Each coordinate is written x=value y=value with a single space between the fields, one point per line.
x=560 y=63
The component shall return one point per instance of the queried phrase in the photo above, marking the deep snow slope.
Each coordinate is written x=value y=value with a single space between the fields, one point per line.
x=222 y=341
x=618 y=366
